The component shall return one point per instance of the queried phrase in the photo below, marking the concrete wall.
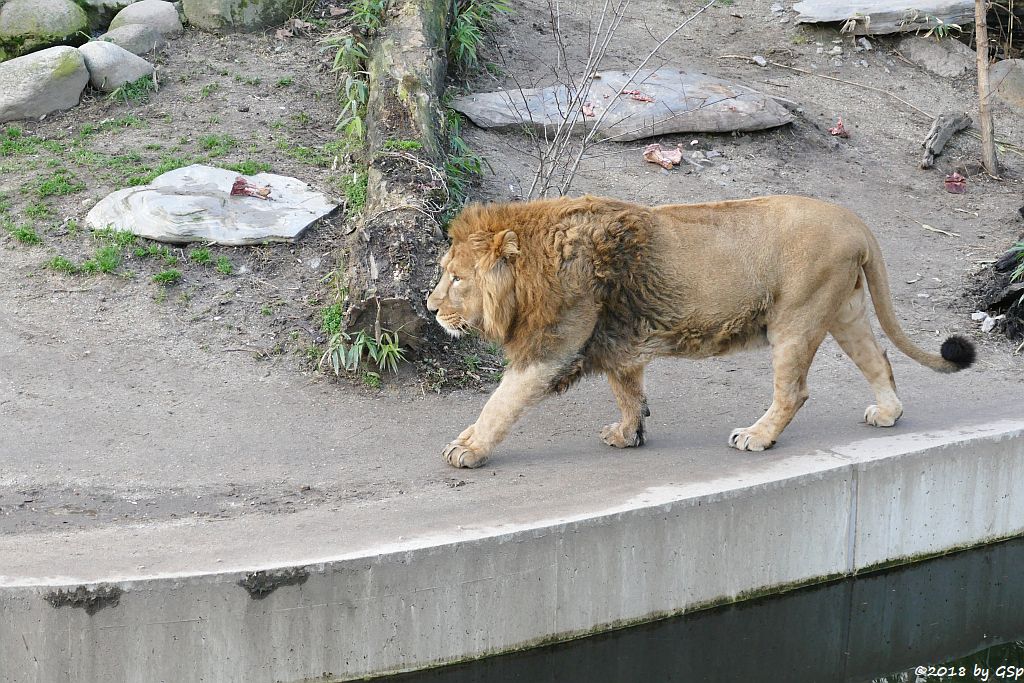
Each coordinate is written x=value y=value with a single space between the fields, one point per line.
x=669 y=551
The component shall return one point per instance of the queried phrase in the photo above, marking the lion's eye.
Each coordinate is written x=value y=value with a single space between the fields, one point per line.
x=456 y=279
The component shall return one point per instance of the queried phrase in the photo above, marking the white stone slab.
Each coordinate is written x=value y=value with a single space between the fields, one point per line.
x=194 y=204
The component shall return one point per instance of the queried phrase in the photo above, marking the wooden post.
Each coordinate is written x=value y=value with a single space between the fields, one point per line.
x=393 y=254
x=988 y=142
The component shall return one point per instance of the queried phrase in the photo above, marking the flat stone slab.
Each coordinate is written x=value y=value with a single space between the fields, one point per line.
x=195 y=204
x=886 y=16
x=655 y=102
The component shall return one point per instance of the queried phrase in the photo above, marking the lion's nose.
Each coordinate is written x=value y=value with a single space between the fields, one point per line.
x=430 y=305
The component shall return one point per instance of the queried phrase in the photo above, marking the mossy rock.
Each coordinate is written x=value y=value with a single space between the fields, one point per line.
x=30 y=25
x=238 y=15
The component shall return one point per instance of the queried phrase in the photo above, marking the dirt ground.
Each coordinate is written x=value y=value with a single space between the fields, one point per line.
x=257 y=99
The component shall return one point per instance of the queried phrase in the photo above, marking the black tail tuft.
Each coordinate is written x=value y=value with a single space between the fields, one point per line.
x=958 y=351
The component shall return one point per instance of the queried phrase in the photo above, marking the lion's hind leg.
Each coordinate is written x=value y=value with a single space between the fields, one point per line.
x=628 y=386
x=792 y=354
x=852 y=331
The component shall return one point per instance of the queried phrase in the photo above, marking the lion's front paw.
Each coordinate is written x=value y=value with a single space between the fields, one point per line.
x=613 y=436
x=881 y=417
x=460 y=454
x=749 y=439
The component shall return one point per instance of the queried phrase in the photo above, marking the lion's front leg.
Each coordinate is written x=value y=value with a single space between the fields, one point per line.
x=628 y=387
x=518 y=390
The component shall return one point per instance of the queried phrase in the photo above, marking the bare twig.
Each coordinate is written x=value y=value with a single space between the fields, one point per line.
x=590 y=135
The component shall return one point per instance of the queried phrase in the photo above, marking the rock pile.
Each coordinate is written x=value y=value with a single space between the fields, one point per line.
x=37 y=80
x=42 y=72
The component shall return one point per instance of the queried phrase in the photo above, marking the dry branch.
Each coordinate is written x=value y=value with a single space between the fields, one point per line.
x=943 y=128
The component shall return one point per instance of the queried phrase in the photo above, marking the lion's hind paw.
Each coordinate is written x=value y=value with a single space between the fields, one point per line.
x=613 y=436
x=878 y=417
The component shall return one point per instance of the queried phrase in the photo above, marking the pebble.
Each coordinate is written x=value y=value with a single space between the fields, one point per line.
x=865 y=44
x=759 y=60
x=784 y=20
x=837 y=50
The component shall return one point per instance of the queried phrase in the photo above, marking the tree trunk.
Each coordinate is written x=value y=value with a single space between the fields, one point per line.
x=988 y=140
x=393 y=254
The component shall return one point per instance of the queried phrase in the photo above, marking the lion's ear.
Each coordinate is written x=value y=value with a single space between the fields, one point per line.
x=506 y=245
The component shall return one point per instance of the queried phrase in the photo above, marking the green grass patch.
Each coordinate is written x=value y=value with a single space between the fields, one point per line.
x=37 y=211
x=200 y=256
x=217 y=145
x=224 y=266
x=171 y=276
x=248 y=167
x=208 y=90
x=104 y=260
x=14 y=142
x=354 y=187
x=135 y=92
x=285 y=82
x=167 y=163
x=25 y=234
x=331 y=318
x=120 y=239
x=62 y=265
x=60 y=182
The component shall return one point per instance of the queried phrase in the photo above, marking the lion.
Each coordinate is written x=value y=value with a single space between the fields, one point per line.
x=574 y=286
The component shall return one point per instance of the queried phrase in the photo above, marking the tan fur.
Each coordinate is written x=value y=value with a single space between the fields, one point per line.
x=576 y=286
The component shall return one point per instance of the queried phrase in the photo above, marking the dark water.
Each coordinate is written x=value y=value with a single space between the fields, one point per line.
x=964 y=612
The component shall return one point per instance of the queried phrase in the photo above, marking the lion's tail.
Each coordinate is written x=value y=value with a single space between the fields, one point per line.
x=957 y=353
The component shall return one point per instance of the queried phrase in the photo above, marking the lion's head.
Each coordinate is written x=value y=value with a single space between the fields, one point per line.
x=476 y=288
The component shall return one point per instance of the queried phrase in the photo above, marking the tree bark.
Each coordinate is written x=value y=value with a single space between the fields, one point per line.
x=393 y=253
x=988 y=141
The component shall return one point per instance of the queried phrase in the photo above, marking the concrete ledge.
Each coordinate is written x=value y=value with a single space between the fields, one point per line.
x=456 y=592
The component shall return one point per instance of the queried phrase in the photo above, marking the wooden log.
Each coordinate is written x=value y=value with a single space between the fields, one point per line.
x=941 y=131
x=393 y=253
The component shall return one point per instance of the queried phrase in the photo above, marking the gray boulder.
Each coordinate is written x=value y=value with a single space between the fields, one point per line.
x=28 y=25
x=949 y=58
x=195 y=204
x=111 y=66
x=238 y=15
x=654 y=103
x=1006 y=79
x=136 y=38
x=41 y=82
x=156 y=13
x=100 y=12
